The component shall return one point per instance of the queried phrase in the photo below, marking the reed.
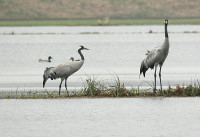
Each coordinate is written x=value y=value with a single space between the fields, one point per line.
x=119 y=90
x=92 y=87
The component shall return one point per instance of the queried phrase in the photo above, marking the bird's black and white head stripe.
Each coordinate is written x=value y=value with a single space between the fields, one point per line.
x=166 y=21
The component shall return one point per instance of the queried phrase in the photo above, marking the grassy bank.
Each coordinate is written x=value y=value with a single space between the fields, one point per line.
x=95 y=89
x=105 y=22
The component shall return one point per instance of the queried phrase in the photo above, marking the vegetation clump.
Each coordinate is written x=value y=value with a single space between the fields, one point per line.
x=96 y=89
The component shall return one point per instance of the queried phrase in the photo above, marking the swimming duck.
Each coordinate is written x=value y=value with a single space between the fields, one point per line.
x=72 y=58
x=43 y=60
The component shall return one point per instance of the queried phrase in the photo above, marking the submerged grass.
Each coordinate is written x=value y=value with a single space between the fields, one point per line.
x=95 y=88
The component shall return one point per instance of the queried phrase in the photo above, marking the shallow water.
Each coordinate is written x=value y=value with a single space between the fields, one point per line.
x=113 y=50
x=117 y=117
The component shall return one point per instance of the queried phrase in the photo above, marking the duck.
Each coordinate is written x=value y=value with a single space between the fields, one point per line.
x=43 y=60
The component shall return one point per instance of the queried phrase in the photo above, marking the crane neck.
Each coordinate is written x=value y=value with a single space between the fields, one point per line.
x=82 y=57
x=166 y=33
x=165 y=45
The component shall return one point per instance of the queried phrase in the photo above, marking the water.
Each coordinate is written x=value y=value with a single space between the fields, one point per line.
x=113 y=50
x=118 y=117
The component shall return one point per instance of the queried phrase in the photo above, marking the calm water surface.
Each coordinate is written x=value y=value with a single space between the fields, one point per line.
x=113 y=50
x=119 y=117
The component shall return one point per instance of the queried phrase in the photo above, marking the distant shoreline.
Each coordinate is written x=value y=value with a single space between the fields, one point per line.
x=98 y=22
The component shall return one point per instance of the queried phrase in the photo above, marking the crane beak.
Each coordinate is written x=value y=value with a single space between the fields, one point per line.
x=86 y=48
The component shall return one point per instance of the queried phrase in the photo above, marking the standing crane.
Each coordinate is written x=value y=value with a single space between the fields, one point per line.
x=156 y=57
x=63 y=71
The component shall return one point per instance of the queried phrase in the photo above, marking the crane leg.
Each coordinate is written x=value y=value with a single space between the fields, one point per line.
x=66 y=86
x=160 y=78
x=60 y=86
x=155 y=80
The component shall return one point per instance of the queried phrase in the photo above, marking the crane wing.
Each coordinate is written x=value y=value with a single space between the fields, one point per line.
x=154 y=57
x=65 y=70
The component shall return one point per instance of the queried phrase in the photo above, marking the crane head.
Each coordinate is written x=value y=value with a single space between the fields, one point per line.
x=82 y=47
x=166 y=21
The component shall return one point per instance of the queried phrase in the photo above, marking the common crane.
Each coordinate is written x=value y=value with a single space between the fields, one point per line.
x=156 y=57
x=63 y=71
x=43 y=60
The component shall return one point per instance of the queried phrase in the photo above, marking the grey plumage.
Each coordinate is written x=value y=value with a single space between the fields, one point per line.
x=156 y=57
x=63 y=71
x=46 y=75
x=147 y=52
